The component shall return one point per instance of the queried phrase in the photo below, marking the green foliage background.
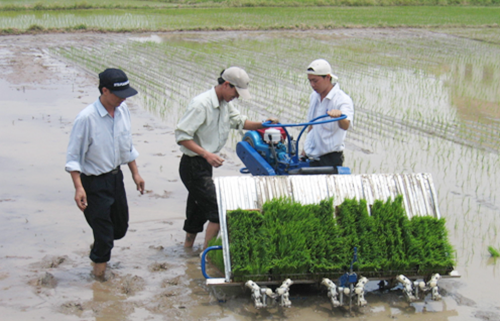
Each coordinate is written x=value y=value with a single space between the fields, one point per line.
x=136 y=4
x=310 y=242
x=29 y=16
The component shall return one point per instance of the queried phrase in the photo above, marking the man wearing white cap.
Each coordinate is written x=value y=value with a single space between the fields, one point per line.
x=325 y=142
x=202 y=132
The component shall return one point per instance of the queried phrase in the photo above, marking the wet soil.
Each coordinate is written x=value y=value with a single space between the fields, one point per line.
x=44 y=239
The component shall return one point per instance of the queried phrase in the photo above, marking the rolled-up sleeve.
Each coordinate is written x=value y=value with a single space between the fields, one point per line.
x=236 y=119
x=133 y=154
x=78 y=145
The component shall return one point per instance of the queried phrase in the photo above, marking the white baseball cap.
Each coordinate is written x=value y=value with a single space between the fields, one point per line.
x=321 y=67
x=239 y=79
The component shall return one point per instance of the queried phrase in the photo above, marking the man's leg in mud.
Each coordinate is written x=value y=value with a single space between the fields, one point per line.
x=99 y=270
x=189 y=242
x=196 y=174
x=211 y=232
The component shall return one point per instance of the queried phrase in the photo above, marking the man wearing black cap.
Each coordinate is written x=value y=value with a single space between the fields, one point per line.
x=201 y=133
x=101 y=141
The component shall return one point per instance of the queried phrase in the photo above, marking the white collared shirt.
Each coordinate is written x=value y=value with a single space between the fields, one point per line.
x=208 y=123
x=98 y=142
x=329 y=137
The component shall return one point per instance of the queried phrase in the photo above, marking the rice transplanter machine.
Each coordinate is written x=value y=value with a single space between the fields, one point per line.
x=271 y=156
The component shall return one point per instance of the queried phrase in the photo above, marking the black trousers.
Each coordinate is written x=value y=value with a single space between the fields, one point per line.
x=196 y=174
x=106 y=213
x=330 y=159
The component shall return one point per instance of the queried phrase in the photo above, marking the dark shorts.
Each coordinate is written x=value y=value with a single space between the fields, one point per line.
x=106 y=213
x=196 y=174
x=330 y=159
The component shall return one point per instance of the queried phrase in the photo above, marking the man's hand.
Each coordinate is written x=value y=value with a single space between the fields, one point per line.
x=213 y=159
x=273 y=120
x=139 y=182
x=334 y=113
x=81 y=198
x=343 y=123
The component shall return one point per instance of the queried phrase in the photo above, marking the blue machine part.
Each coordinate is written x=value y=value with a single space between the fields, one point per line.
x=203 y=259
x=342 y=170
x=255 y=140
x=350 y=278
x=255 y=164
x=261 y=158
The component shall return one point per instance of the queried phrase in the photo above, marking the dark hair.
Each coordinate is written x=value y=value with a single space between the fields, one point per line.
x=100 y=88
x=311 y=69
x=221 y=80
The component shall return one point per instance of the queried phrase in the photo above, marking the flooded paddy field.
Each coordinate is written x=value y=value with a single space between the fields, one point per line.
x=243 y=18
x=425 y=101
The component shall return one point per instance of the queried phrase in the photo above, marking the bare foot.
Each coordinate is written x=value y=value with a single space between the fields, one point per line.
x=99 y=271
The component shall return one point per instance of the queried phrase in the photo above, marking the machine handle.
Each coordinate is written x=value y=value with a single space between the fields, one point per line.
x=203 y=262
x=312 y=122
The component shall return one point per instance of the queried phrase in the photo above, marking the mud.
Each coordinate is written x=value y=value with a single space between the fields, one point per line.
x=44 y=239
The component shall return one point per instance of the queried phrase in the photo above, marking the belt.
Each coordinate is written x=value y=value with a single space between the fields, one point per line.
x=113 y=172
x=336 y=152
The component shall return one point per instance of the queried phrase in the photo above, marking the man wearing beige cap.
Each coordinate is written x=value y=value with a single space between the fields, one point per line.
x=202 y=132
x=325 y=143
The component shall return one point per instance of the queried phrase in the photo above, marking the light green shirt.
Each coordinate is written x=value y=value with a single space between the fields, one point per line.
x=208 y=123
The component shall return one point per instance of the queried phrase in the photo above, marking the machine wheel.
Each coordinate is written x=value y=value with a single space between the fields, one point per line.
x=249 y=141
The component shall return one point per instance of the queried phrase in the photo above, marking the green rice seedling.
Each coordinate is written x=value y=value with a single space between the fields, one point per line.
x=325 y=244
x=346 y=219
x=249 y=244
x=289 y=227
x=391 y=226
x=306 y=241
x=493 y=251
x=430 y=250
x=216 y=257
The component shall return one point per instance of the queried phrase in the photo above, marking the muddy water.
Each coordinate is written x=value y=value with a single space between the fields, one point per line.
x=44 y=239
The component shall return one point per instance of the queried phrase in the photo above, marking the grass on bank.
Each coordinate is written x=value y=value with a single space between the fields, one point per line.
x=289 y=18
x=23 y=5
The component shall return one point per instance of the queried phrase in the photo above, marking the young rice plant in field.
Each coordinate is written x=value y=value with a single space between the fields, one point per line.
x=310 y=241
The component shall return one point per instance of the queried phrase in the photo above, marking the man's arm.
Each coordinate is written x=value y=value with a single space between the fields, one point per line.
x=139 y=182
x=254 y=125
x=344 y=123
x=211 y=158
x=80 y=195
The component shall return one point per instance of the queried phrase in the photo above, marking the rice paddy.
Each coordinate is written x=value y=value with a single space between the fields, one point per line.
x=425 y=101
x=255 y=18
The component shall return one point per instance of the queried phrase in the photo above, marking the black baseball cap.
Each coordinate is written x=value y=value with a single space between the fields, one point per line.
x=117 y=82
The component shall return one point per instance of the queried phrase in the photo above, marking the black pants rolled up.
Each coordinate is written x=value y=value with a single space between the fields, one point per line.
x=106 y=213
x=196 y=174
